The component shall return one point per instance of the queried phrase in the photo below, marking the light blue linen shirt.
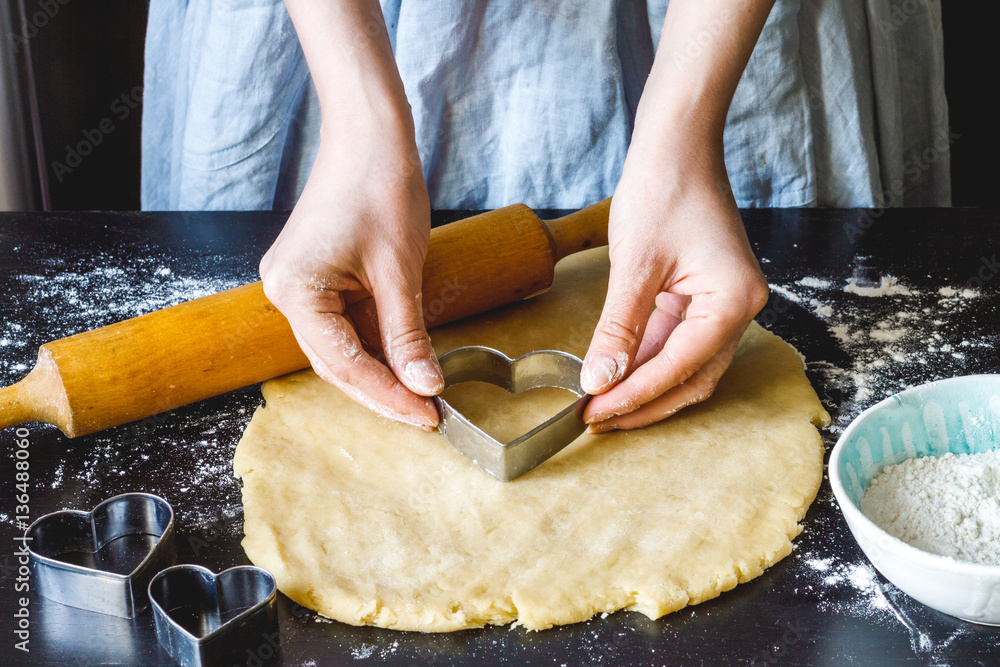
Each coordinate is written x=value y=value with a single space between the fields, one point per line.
x=841 y=104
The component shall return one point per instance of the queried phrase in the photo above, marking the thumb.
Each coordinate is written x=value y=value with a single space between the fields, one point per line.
x=623 y=321
x=405 y=342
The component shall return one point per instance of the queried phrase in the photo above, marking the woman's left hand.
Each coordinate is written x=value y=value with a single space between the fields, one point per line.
x=676 y=242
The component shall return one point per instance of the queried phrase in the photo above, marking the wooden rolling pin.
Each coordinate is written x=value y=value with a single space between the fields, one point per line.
x=182 y=354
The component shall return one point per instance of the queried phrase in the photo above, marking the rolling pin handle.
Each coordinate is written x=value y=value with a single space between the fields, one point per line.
x=580 y=230
x=39 y=396
x=12 y=410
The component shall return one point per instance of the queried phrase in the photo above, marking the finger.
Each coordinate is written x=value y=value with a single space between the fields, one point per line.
x=674 y=304
x=661 y=324
x=405 y=341
x=709 y=325
x=695 y=390
x=365 y=380
x=365 y=318
x=658 y=329
x=336 y=353
x=623 y=321
x=323 y=371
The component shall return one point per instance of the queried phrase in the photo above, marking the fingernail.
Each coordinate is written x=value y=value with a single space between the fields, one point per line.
x=596 y=429
x=597 y=373
x=425 y=376
x=421 y=422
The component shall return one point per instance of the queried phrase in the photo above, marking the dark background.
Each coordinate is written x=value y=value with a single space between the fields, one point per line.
x=90 y=53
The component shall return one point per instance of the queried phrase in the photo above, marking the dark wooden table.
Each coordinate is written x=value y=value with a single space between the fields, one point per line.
x=64 y=273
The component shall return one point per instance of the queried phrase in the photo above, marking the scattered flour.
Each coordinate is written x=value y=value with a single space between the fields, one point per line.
x=809 y=281
x=888 y=286
x=823 y=310
x=841 y=331
x=74 y=290
x=374 y=651
x=830 y=579
x=950 y=292
x=786 y=292
x=185 y=455
x=887 y=335
x=57 y=476
x=192 y=471
x=819 y=308
x=948 y=505
x=363 y=652
x=906 y=338
x=840 y=588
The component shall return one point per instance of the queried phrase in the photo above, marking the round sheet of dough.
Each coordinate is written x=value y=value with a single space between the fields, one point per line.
x=372 y=522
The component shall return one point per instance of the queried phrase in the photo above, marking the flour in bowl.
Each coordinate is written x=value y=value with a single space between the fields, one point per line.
x=947 y=505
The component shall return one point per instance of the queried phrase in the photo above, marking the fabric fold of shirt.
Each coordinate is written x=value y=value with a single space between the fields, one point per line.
x=841 y=104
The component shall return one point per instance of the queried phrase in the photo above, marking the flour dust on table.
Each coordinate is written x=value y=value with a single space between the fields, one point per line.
x=80 y=291
x=916 y=333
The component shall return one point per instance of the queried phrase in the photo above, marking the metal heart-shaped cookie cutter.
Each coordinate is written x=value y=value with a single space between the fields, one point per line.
x=203 y=618
x=103 y=560
x=543 y=368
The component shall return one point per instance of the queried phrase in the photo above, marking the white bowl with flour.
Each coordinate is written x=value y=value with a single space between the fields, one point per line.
x=959 y=415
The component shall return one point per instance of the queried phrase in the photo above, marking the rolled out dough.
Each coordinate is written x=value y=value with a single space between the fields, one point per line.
x=371 y=522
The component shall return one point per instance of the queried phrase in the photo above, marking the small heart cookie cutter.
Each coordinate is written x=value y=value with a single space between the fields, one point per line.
x=542 y=368
x=203 y=618
x=104 y=559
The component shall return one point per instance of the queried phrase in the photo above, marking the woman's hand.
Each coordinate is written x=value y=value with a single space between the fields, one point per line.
x=362 y=223
x=676 y=241
x=676 y=238
x=360 y=229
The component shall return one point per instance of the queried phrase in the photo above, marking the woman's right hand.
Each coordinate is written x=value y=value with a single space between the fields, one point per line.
x=361 y=225
x=361 y=229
